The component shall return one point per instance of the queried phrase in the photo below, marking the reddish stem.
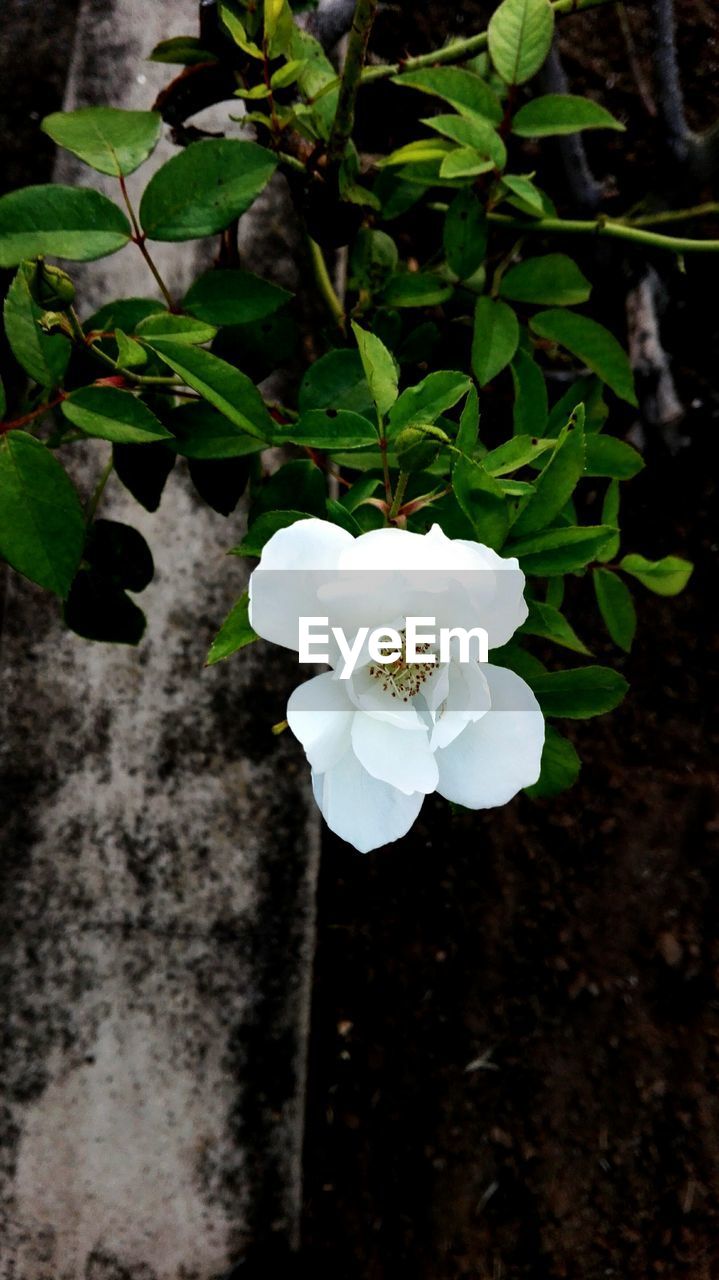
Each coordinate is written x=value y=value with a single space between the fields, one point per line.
x=17 y=423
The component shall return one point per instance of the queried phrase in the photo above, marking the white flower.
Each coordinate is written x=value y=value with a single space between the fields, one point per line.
x=381 y=740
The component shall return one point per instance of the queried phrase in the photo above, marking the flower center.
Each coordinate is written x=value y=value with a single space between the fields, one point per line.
x=403 y=679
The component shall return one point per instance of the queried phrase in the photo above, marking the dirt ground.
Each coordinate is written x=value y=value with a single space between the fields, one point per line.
x=515 y=1060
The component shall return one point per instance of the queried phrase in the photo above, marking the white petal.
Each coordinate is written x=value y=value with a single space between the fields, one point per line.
x=494 y=757
x=393 y=755
x=284 y=586
x=320 y=714
x=468 y=699
x=360 y=809
x=368 y=694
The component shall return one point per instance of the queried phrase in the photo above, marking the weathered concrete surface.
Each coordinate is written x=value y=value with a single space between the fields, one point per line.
x=157 y=867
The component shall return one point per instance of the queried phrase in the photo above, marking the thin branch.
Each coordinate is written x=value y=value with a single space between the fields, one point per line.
x=17 y=423
x=99 y=490
x=605 y=227
x=670 y=99
x=138 y=237
x=343 y=123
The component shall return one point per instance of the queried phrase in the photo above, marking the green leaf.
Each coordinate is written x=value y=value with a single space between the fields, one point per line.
x=336 y=381
x=587 y=390
x=495 y=338
x=468 y=432
x=556 y=482
x=183 y=50
x=560 y=550
x=416 y=289
x=233 y=297
x=201 y=432
x=428 y=399
x=125 y=314
x=297 y=486
x=529 y=196
x=379 y=366
x=330 y=429
x=579 y=693
x=338 y=514
x=520 y=37
x=42 y=528
x=550 y=280
x=373 y=259
x=616 y=607
x=549 y=624
x=530 y=396
x=471 y=131
x=262 y=529
x=202 y=189
x=482 y=501
x=66 y=222
x=560 y=767
x=557 y=113
x=108 y=139
x=515 y=453
x=460 y=87
x=610 y=516
x=221 y=384
x=465 y=234
x=360 y=491
x=166 y=327
x=130 y=355
x=44 y=356
x=234 y=633
x=607 y=456
x=665 y=577
x=110 y=414
x=591 y=343
x=464 y=162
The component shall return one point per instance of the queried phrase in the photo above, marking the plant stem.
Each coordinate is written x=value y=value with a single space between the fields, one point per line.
x=325 y=285
x=605 y=227
x=17 y=423
x=98 y=491
x=399 y=494
x=352 y=73
x=138 y=237
x=676 y=215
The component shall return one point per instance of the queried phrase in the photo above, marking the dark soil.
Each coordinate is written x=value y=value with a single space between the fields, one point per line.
x=515 y=1057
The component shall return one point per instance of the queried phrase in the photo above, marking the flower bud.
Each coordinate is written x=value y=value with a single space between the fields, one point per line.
x=418 y=444
x=51 y=288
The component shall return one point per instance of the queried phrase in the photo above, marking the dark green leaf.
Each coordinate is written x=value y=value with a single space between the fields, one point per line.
x=482 y=501
x=221 y=384
x=468 y=432
x=591 y=343
x=119 y=554
x=557 y=113
x=515 y=453
x=42 y=528
x=557 y=480
x=124 y=314
x=610 y=515
x=607 y=456
x=66 y=222
x=373 y=259
x=560 y=767
x=616 y=607
x=665 y=577
x=182 y=50
x=465 y=234
x=44 y=356
x=336 y=381
x=579 y=693
x=220 y=482
x=233 y=297
x=360 y=491
x=201 y=190
x=416 y=289
x=202 y=432
x=106 y=138
x=560 y=550
x=165 y=327
x=428 y=399
x=456 y=85
x=520 y=37
x=234 y=633
x=297 y=486
x=530 y=396
x=495 y=338
x=330 y=429
x=549 y=624
x=110 y=414
x=553 y=279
